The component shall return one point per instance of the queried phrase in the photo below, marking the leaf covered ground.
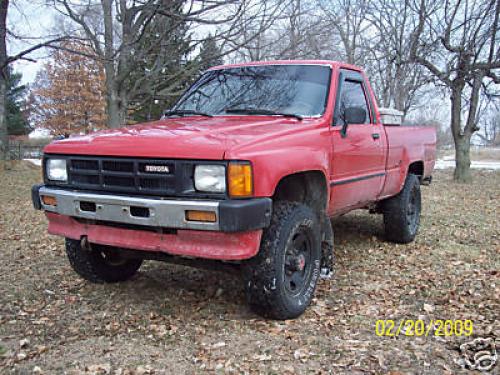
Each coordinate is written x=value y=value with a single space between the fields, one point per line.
x=173 y=319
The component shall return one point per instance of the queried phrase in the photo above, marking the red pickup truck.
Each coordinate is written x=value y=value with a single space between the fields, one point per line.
x=244 y=172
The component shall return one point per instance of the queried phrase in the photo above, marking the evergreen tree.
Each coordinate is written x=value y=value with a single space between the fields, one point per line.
x=210 y=54
x=16 y=121
x=165 y=71
x=168 y=68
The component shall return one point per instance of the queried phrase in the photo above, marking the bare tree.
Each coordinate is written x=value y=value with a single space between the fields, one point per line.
x=5 y=61
x=257 y=33
x=490 y=133
x=395 y=78
x=349 y=19
x=458 y=42
x=297 y=30
x=305 y=34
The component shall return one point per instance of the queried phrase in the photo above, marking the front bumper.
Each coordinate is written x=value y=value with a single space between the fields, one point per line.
x=231 y=215
x=185 y=243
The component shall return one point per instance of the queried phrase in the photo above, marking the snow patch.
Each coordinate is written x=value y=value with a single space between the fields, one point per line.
x=447 y=163
x=37 y=162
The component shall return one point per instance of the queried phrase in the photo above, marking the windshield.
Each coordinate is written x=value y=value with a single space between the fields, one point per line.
x=299 y=90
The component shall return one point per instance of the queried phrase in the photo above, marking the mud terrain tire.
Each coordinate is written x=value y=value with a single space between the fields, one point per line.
x=100 y=264
x=402 y=212
x=280 y=280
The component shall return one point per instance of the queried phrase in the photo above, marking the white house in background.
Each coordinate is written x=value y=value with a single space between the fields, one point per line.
x=40 y=133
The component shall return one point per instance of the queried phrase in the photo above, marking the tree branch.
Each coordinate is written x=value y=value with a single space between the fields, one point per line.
x=22 y=55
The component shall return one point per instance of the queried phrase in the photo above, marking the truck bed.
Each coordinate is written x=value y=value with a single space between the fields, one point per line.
x=406 y=145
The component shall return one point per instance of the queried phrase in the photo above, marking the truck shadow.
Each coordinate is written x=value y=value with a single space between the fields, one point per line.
x=188 y=293
x=193 y=294
x=357 y=226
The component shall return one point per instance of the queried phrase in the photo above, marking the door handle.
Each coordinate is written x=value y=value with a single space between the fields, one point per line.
x=375 y=135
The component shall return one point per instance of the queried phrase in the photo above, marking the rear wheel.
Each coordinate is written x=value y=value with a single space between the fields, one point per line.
x=100 y=264
x=280 y=281
x=402 y=212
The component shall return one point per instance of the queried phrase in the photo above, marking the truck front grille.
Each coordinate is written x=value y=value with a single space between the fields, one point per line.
x=123 y=175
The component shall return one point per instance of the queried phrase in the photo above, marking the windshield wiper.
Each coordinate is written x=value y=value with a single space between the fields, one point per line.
x=186 y=112
x=261 y=111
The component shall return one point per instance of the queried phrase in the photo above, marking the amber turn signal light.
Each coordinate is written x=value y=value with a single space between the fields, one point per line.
x=49 y=200
x=206 y=216
x=239 y=177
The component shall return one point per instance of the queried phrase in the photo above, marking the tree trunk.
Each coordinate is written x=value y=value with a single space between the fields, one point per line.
x=4 y=135
x=116 y=95
x=113 y=98
x=462 y=160
x=114 y=108
x=460 y=138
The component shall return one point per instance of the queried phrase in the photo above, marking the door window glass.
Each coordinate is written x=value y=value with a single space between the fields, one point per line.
x=353 y=95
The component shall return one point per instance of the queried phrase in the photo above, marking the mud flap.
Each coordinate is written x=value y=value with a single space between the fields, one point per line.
x=327 y=254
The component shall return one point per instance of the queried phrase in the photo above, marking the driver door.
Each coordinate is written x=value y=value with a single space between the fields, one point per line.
x=358 y=165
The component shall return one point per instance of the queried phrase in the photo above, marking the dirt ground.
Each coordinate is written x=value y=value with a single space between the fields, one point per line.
x=173 y=320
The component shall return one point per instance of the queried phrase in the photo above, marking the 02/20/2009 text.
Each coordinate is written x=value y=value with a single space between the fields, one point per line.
x=409 y=327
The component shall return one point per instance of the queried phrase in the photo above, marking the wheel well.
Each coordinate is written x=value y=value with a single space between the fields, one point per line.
x=305 y=187
x=417 y=168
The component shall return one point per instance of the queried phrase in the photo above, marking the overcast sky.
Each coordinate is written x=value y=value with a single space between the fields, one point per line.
x=31 y=20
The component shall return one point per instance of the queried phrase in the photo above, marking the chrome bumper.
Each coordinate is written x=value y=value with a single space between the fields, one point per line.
x=231 y=215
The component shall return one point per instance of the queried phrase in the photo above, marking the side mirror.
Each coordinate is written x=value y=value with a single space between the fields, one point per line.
x=353 y=115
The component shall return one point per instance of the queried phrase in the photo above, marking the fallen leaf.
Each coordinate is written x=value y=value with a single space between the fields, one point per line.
x=428 y=308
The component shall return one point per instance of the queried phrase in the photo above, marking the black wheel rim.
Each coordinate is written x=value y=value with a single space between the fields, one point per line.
x=413 y=210
x=297 y=262
x=111 y=258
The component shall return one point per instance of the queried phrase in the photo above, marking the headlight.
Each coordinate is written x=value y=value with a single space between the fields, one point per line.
x=56 y=170
x=210 y=178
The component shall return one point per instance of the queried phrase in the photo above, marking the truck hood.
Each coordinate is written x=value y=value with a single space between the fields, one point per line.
x=180 y=138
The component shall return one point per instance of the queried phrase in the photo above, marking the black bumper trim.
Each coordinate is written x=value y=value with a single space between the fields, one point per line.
x=244 y=215
x=35 y=196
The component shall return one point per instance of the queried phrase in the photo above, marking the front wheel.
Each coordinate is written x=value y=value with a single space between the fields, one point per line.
x=402 y=212
x=280 y=281
x=100 y=264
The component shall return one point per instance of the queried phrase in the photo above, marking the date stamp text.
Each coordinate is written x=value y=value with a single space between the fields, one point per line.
x=419 y=328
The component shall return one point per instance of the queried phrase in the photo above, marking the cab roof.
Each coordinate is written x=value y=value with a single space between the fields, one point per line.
x=330 y=63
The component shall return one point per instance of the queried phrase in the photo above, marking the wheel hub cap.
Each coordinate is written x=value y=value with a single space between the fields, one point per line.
x=300 y=262
x=297 y=263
